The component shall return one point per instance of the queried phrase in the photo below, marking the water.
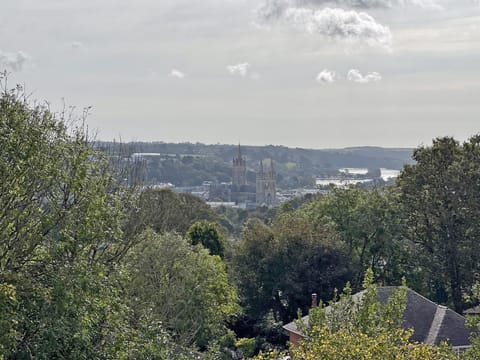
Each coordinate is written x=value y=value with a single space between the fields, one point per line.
x=389 y=173
x=340 y=182
x=354 y=171
x=385 y=174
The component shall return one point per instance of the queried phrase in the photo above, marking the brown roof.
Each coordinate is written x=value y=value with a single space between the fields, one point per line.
x=432 y=323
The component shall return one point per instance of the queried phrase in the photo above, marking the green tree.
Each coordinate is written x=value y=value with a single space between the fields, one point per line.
x=8 y=333
x=441 y=199
x=368 y=222
x=208 y=235
x=361 y=328
x=61 y=241
x=183 y=287
x=251 y=267
x=473 y=323
x=165 y=211
x=278 y=267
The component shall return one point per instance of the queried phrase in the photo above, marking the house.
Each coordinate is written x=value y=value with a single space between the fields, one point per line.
x=432 y=323
x=474 y=311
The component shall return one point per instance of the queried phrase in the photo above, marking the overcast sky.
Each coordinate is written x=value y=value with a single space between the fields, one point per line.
x=306 y=73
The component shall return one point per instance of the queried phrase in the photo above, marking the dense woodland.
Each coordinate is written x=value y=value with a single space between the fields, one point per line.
x=93 y=269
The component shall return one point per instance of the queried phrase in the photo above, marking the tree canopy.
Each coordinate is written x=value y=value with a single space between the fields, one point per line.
x=275 y=267
x=441 y=199
x=183 y=287
x=60 y=238
x=208 y=235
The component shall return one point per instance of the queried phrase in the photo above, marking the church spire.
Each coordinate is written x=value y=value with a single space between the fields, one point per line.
x=239 y=177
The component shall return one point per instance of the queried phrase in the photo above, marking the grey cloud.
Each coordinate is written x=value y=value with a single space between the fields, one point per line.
x=340 y=24
x=368 y=4
x=13 y=61
x=332 y=22
x=356 y=76
x=271 y=10
x=274 y=9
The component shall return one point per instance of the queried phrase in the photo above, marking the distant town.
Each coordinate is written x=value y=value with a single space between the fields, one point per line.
x=248 y=177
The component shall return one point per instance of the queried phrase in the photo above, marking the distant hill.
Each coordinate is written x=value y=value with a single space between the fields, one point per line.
x=188 y=164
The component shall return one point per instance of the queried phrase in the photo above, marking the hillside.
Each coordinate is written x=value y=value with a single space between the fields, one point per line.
x=188 y=164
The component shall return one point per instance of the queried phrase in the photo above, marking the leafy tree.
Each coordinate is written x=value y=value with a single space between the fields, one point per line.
x=8 y=333
x=232 y=220
x=441 y=199
x=276 y=267
x=165 y=211
x=208 y=235
x=473 y=322
x=61 y=243
x=361 y=328
x=251 y=267
x=183 y=287
x=368 y=222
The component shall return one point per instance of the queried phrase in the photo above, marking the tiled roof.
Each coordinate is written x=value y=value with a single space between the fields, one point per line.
x=432 y=323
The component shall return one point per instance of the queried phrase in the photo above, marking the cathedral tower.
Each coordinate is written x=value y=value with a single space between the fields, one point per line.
x=239 y=177
x=266 y=192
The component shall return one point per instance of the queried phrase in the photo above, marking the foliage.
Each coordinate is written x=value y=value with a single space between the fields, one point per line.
x=165 y=211
x=60 y=237
x=357 y=345
x=473 y=323
x=232 y=219
x=368 y=222
x=275 y=267
x=183 y=287
x=246 y=346
x=208 y=235
x=62 y=277
x=360 y=328
x=8 y=333
x=441 y=199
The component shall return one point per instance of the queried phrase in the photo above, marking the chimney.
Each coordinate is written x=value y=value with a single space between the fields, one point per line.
x=314 y=300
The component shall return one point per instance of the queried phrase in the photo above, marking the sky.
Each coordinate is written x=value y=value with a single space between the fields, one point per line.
x=299 y=73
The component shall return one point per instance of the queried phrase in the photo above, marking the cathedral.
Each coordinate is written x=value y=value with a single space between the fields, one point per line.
x=264 y=193
x=239 y=178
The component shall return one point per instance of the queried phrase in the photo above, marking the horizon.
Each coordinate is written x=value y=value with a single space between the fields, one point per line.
x=255 y=145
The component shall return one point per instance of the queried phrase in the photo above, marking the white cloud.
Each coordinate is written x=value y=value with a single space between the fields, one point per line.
x=326 y=76
x=335 y=23
x=177 y=74
x=240 y=69
x=340 y=24
x=356 y=76
x=13 y=61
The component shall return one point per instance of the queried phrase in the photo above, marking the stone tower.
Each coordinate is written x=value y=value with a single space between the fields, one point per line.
x=266 y=192
x=239 y=177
